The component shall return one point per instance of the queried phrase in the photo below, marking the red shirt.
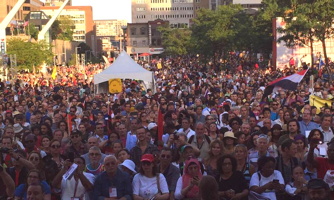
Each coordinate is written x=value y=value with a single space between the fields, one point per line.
x=323 y=166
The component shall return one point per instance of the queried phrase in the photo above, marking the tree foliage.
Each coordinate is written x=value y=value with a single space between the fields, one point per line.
x=32 y=31
x=175 y=41
x=29 y=54
x=63 y=29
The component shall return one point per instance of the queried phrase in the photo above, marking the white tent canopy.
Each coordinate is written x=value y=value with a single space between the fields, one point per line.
x=124 y=67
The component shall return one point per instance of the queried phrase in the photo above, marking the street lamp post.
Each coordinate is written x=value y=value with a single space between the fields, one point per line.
x=76 y=55
x=124 y=27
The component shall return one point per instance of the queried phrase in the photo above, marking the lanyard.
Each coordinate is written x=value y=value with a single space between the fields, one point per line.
x=76 y=186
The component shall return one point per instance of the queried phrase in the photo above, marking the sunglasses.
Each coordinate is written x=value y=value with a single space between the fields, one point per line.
x=30 y=141
x=75 y=136
x=165 y=156
x=34 y=159
x=55 y=146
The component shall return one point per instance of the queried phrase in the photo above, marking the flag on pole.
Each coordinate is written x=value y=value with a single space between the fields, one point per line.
x=54 y=73
x=288 y=82
x=160 y=125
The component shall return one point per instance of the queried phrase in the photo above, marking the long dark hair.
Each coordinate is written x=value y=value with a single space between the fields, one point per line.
x=220 y=162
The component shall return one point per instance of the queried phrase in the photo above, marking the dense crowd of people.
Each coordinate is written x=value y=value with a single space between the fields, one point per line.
x=206 y=131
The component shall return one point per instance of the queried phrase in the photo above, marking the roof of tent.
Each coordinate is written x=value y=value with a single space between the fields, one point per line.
x=124 y=67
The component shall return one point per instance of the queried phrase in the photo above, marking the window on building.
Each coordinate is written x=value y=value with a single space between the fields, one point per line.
x=142 y=31
x=143 y=42
x=133 y=31
x=134 y=43
x=154 y=42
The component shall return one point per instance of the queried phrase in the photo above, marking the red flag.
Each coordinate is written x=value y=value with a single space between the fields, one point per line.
x=160 y=125
x=26 y=23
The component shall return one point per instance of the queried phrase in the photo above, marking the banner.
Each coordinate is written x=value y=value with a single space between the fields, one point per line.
x=319 y=102
x=115 y=85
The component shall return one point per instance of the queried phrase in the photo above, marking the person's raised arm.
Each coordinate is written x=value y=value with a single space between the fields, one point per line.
x=8 y=181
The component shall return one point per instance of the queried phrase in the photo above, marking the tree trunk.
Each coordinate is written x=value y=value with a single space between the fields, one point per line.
x=326 y=59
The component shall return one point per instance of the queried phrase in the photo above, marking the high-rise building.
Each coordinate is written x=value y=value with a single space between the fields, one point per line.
x=83 y=21
x=109 y=34
x=57 y=3
x=213 y=4
x=109 y=27
x=5 y=8
x=178 y=12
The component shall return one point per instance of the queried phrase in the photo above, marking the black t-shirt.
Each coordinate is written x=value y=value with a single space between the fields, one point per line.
x=236 y=182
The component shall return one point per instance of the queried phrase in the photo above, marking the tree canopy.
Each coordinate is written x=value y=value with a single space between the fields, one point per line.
x=29 y=54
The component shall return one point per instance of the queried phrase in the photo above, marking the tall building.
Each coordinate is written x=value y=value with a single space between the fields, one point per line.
x=57 y=3
x=6 y=6
x=178 y=12
x=213 y=4
x=83 y=21
x=109 y=33
x=109 y=27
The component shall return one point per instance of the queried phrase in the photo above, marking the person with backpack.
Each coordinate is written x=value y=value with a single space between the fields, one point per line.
x=287 y=161
x=200 y=141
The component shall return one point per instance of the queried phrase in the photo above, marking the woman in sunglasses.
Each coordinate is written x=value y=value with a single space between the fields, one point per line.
x=55 y=152
x=36 y=159
x=148 y=184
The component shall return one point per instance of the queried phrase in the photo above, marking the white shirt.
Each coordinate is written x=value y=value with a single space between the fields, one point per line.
x=68 y=187
x=328 y=135
x=257 y=181
x=147 y=187
x=189 y=132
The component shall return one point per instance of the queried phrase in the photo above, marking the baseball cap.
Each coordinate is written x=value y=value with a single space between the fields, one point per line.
x=147 y=157
x=151 y=126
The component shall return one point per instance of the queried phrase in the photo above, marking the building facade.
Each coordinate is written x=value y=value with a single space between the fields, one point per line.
x=109 y=34
x=7 y=6
x=57 y=3
x=144 y=37
x=82 y=16
x=178 y=12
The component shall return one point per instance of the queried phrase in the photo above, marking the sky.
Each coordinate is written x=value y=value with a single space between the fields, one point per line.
x=107 y=9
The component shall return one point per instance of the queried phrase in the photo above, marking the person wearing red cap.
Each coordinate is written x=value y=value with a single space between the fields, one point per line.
x=148 y=184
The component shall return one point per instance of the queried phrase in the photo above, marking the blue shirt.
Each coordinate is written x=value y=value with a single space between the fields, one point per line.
x=21 y=190
x=121 y=181
x=307 y=127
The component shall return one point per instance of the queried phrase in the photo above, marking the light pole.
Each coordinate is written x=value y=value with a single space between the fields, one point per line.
x=76 y=55
x=124 y=27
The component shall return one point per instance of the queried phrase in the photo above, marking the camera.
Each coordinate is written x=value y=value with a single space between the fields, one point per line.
x=4 y=150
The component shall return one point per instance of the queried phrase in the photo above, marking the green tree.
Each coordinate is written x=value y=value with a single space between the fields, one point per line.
x=32 y=30
x=175 y=41
x=63 y=29
x=30 y=54
x=215 y=33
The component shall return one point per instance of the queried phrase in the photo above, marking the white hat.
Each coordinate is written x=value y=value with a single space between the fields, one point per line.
x=229 y=134
x=17 y=128
x=129 y=164
x=151 y=126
